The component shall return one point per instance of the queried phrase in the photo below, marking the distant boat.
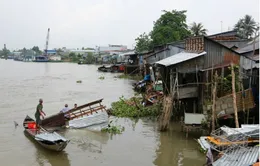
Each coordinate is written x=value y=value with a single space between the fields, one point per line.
x=41 y=58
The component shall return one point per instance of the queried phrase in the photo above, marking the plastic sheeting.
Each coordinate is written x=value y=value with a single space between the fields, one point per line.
x=49 y=137
x=89 y=120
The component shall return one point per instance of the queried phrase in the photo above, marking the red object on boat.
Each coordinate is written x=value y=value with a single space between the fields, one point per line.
x=121 y=68
x=32 y=125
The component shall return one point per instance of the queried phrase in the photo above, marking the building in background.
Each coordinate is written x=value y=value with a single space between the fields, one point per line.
x=110 y=48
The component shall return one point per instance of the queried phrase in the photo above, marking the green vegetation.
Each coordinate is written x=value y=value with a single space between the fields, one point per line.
x=246 y=27
x=113 y=129
x=131 y=77
x=198 y=29
x=133 y=108
x=143 y=43
x=227 y=81
x=101 y=77
x=170 y=27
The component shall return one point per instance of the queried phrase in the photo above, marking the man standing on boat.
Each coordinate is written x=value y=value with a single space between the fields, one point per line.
x=39 y=112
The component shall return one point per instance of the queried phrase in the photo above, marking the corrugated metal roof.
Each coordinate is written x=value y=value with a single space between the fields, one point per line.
x=178 y=58
x=249 y=47
x=239 y=157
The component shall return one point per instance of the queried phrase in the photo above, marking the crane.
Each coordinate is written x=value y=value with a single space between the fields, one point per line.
x=47 y=42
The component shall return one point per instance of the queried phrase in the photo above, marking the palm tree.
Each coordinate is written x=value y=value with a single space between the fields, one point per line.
x=246 y=27
x=198 y=29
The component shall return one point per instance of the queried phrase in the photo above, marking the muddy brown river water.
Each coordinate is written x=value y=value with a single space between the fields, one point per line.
x=22 y=84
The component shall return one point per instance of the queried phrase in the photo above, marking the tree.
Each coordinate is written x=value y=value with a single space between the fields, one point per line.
x=246 y=27
x=143 y=43
x=36 y=49
x=198 y=29
x=170 y=27
x=90 y=58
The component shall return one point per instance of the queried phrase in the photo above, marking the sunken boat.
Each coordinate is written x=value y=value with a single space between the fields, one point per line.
x=93 y=113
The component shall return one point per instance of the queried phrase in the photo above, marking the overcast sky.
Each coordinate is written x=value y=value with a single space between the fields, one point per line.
x=88 y=23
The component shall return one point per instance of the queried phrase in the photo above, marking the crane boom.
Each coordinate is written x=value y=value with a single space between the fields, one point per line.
x=47 y=42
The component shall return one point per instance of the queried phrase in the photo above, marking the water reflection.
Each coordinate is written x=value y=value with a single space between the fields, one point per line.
x=44 y=156
x=175 y=149
x=87 y=140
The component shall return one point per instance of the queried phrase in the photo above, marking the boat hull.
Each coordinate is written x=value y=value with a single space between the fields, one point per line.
x=49 y=140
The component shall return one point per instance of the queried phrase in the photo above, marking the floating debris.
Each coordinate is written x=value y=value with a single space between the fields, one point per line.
x=101 y=77
x=79 y=81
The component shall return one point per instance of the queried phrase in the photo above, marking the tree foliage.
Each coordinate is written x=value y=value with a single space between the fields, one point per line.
x=37 y=50
x=246 y=27
x=170 y=27
x=143 y=43
x=197 y=29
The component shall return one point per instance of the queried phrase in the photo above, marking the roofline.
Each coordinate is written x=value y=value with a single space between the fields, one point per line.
x=221 y=45
x=222 y=33
x=164 y=49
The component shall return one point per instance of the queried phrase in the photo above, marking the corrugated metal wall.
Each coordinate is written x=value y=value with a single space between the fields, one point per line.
x=217 y=54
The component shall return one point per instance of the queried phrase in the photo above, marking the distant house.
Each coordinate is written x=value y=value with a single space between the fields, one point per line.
x=55 y=57
x=164 y=51
x=110 y=48
x=51 y=52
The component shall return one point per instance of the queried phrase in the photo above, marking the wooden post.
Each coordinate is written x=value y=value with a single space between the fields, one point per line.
x=214 y=92
x=234 y=95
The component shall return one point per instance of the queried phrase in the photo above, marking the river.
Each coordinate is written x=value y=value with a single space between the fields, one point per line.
x=23 y=83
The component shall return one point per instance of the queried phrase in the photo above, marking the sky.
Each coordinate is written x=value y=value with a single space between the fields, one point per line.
x=91 y=23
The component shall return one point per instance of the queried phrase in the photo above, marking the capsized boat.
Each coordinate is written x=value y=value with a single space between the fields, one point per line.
x=49 y=140
x=93 y=113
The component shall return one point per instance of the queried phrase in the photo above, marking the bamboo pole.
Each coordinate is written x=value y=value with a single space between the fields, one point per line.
x=234 y=95
x=214 y=92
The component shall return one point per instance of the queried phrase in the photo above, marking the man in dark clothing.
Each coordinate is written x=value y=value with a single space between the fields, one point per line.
x=39 y=112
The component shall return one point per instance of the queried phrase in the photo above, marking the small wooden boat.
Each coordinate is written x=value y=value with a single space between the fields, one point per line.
x=49 y=140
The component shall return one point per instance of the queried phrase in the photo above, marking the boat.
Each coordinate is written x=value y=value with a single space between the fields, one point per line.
x=41 y=59
x=104 y=68
x=93 y=113
x=49 y=140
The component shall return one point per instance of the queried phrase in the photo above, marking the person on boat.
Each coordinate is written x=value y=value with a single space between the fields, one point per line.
x=75 y=106
x=65 y=110
x=39 y=112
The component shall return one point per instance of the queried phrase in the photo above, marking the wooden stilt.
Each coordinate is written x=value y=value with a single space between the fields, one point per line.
x=234 y=95
x=214 y=92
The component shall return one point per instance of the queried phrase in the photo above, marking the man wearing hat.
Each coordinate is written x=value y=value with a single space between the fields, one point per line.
x=39 y=112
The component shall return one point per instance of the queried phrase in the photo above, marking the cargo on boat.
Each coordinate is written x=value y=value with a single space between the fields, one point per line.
x=86 y=115
x=49 y=140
